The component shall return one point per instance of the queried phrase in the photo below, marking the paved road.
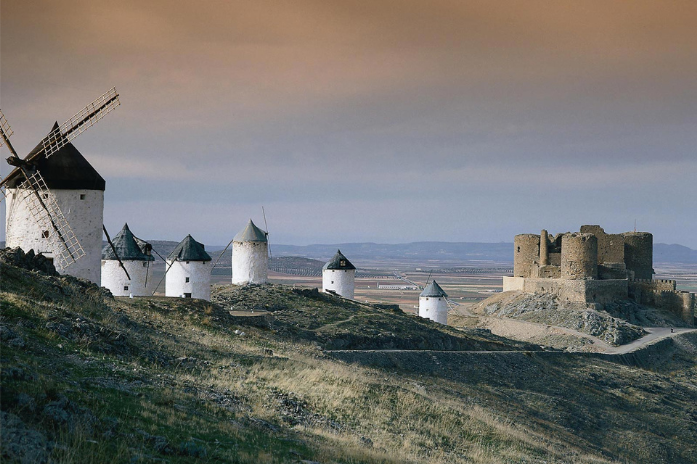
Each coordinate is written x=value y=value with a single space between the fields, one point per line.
x=654 y=335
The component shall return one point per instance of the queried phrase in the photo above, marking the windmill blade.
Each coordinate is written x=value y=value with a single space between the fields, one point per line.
x=221 y=255
x=163 y=277
x=266 y=228
x=82 y=120
x=113 y=249
x=43 y=207
x=5 y=129
x=5 y=133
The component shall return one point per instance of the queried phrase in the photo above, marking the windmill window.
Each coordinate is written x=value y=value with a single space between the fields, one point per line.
x=187 y=264
x=332 y=282
x=125 y=288
x=145 y=264
x=45 y=234
x=186 y=280
x=342 y=263
x=82 y=196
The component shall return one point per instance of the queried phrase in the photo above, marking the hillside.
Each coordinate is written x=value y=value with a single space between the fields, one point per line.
x=89 y=378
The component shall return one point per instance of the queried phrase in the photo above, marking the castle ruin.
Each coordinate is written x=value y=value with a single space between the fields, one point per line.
x=595 y=268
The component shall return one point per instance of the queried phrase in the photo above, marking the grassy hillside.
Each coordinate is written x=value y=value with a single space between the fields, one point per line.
x=86 y=377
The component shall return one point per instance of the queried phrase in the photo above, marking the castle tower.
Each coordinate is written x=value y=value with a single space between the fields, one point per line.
x=544 y=259
x=579 y=256
x=526 y=253
x=189 y=272
x=338 y=276
x=79 y=192
x=638 y=254
x=432 y=303
x=136 y=257
x=250 y=256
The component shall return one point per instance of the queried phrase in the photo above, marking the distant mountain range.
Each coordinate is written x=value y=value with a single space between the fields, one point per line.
x=418 y=251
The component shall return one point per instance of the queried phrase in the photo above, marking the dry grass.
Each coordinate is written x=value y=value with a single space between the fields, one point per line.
x=299 y=404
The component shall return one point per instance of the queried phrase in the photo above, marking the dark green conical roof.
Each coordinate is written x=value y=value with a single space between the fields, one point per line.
x=128 y=247
x=251 y=233
x=339 y=262
x=433 y=290
x=65 y=169
x=189 y=250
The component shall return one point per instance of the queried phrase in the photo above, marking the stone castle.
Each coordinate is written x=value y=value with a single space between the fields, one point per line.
x=595 y=268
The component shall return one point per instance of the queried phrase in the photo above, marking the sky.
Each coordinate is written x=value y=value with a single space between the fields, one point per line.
x=368 y=121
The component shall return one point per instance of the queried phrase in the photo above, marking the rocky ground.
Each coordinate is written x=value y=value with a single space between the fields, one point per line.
x=86 y=377
x=617 y=324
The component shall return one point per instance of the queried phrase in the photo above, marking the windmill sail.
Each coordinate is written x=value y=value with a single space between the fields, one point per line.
x=82 y=120
x=43 y=207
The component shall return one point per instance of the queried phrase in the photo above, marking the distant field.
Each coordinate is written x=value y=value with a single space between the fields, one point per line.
x=475 y=282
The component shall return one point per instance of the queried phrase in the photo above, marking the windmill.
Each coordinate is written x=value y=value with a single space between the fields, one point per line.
x=26 y=187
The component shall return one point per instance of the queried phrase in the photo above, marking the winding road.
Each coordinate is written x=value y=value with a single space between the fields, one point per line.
x=655 y=334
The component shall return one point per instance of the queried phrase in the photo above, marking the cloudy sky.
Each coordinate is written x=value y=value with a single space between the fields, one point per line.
x=384 y=121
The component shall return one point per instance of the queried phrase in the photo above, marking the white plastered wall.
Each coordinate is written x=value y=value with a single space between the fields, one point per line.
x=85 y=217
x=199 y=274
x=339 y=281
x=250 y=262
x=114 y=278
x=434 y=308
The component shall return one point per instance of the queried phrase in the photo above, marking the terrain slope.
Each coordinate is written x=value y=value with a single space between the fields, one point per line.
x=275 y=374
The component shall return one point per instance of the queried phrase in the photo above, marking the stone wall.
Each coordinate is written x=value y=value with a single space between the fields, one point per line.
x=611 y=247
x=638 y=254
x=663 y=294
x=583 y=291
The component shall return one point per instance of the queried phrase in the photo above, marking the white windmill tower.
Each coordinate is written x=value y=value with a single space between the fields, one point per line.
x=55 y=198
x=188 y=271
x=250 y=256
x=338 y=276
x=126 y=268
x=433 y=303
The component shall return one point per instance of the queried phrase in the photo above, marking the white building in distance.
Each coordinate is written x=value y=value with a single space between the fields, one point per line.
x=136 y=256
x=188 y=271
x=250 y=256
x=432 y=303
x=78 y=189
x=338 y=276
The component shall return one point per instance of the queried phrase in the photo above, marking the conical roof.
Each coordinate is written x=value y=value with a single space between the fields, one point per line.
x=339 y=262
x=127 y=247
x=433 y=290
x=65 y=169
x=189 y=250
x=251 y=233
